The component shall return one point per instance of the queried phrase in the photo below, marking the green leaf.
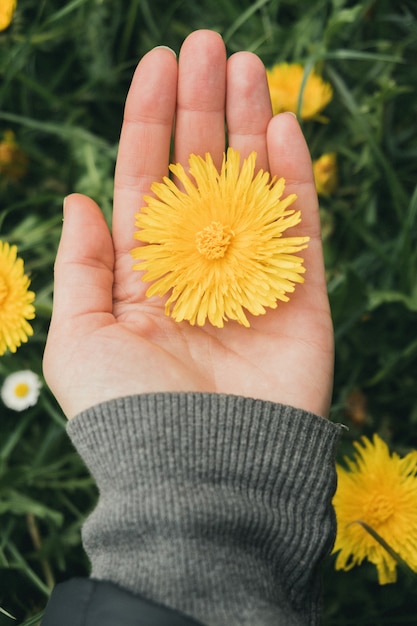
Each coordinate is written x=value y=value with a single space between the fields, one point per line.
x=33 y=621
x=403 y=564
x=18 y=503
x=3 y=612
x=377 y=298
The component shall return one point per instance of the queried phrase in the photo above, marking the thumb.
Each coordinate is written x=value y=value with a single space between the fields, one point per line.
x=84 y=262
x=82 y=296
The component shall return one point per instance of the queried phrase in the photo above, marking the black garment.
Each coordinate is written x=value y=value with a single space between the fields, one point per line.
x=88 y=602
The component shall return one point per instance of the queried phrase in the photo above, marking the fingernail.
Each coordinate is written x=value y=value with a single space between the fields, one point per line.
x=64 y=205
x=166 y=48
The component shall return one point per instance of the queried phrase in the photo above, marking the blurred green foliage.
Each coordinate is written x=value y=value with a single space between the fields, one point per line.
x=65 y=67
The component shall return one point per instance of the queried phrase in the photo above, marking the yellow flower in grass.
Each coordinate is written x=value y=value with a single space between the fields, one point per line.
x=7 y=9
x=13 y=161
x=285 y=82
x=325 y=173
x=217 y=243
x=15 y=300
x=378 y=490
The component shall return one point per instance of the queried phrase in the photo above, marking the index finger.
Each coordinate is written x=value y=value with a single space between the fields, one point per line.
x=144 y=147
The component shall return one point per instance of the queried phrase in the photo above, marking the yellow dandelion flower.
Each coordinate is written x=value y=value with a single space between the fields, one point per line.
x=285 y=82
x=379 y=490
x=326 y=174
x=216 y=244
x=15 y=300
x=7 y=9
x=13 y=161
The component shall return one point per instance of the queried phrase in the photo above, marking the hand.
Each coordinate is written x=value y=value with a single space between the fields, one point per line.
x=106 y=338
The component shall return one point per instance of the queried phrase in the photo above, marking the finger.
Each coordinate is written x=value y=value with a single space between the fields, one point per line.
x=289 y=158
x=248 y=106
x=144 y=147
x=84 y=263
x=200 y=116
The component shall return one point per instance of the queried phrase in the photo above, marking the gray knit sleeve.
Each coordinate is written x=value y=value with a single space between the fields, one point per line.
x=218 y=506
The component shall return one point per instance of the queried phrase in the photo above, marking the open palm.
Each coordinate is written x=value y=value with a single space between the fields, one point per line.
x=106 y=338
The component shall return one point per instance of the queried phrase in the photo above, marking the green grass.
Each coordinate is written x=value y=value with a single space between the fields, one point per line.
x=65 y=69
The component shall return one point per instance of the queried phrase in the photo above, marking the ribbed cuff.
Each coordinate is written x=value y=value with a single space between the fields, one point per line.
x=219 y=506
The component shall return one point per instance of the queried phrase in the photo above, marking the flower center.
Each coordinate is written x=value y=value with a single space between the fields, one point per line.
x=213 y=241
x=3 y=289
x=21 y=390
x=378 y=511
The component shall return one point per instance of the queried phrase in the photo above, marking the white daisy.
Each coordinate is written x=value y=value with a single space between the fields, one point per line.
x=21 y=390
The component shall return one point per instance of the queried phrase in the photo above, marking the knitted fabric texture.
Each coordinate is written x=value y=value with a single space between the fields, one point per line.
x=218 y=506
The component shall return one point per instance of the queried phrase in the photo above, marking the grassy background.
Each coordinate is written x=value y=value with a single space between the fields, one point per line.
x=65 y=67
